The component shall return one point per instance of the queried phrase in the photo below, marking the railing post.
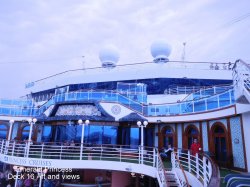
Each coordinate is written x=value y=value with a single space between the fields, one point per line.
x=81 y=149
x=6 y=147
x=13 y=148
x=204 y=172
x=42 y=150
x=230 y=97
x=197 y=165
x=157 y=162
x=61 y=152
x=218 y=100
x=120 y=153
x=2 y=146
x=154 y=157
x=27 y=148
x=189 y=162
x=173 y=161
x=101 y=153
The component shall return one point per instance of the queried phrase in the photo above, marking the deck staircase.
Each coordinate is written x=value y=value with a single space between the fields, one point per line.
x=172 y=179
x=241 y=78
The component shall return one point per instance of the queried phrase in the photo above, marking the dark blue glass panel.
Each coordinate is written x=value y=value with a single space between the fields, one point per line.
x=3 y=127
x=212 y=103
x=224 y=99
x=199 y=106
x=149 y=137
x=109 y=135
x=95 y=134
x=3 y=134
x=47 y=132
x=192 y=131
x=134 y=137
x=25 y=132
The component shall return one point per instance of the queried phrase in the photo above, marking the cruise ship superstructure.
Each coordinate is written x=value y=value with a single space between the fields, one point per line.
x=108 y=124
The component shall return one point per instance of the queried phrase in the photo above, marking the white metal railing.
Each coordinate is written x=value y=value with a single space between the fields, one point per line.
x=211 y=102
x=241 y=78
x=61 y=151
x=197 y=89
x=199 y=165
x=182 y=178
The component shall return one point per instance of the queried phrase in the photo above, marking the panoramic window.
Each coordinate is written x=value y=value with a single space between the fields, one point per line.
x=25 y=132
x=46 y=136
x=3 y=131
x=98 y=134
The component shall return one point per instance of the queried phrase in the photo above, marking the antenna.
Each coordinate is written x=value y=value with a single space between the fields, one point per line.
x=183 y=52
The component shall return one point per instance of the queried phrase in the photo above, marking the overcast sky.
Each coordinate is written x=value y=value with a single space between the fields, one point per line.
x=42 y=37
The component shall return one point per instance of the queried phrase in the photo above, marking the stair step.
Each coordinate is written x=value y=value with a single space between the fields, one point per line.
x=168 y=173
x=173 y=184
x=172 y=180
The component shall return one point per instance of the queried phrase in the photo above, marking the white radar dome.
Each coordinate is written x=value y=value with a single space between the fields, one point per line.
x=160 y=50
x=109 y=56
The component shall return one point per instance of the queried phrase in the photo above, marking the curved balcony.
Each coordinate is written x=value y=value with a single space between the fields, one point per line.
x=207 y=92
x=210 y=103
x=144 y=160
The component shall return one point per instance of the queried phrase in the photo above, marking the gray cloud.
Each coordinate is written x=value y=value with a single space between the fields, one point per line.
x=39 y=38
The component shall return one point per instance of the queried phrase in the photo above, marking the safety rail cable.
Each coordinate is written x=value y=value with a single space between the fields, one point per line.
x=183 y=183
x=78 y=151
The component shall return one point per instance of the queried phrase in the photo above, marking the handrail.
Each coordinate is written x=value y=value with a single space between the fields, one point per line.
x=183 y=172
x=215 y=177
x=228 y=86
x=77 y=151
x=119 y=153
x=201 y=165
x=193 y=88
x=204 y=104
x=143 y=105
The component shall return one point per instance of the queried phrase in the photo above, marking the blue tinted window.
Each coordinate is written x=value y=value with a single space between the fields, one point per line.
x=168 y=131
x=25 y=132
x=192 y=131
x=46 y=133
x=134 y=137
x=3 y=127
x=3 y=131
x=97 y=134
x=110 y=135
